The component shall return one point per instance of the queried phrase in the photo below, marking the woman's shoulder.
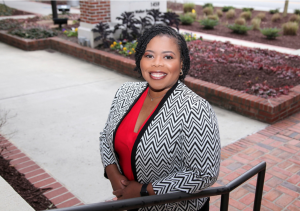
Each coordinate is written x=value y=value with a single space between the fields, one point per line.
x=133 y=85
x=189 y=95
x=127 y=86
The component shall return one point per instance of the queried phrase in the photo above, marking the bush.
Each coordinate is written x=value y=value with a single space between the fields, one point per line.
x=193 y=15
x=5 y=10
x=213 y=17
x=207 y=5
x=270 y=33
x=247 y=9
x=290 y=28
x=190 y=37
x=33 y=33
x=240 y=21
x=186 y=19
x=256 y=23
x=227 y=8
x=295 y=18
x=188 y=7
x=274 y=11
x=246 y=15
x=208 y=23
x=208 y=10
x=230 y=14
x=219 y=13
x=261 y=16
x=276 y=17
x=297 y=12
x=239 y=29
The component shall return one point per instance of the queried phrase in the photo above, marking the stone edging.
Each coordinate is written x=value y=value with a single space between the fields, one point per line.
x=265 y=110
x=58 y=195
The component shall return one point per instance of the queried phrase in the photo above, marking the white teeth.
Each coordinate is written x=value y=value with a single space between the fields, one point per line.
x=158 y=74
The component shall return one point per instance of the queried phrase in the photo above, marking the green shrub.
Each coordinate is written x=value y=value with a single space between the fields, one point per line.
x=276 y=17
x=208 y=5
x=274 y=11
x=219 y=13
x=246 y=15
x=255 y=22
x=239 y=29
x=297 y=12
x=227 y=8
x=270 y=33
x=33 y=33
x=261 y=16
x=213 y=17
x=290 y=28
x=208 y=23
x=186 y=19
x=188 y=7
x=230 y=14
x=208 y=10
x=5 y=10
x=295 y=18
x=247 y=9
x=193 y=15
x=240 y=21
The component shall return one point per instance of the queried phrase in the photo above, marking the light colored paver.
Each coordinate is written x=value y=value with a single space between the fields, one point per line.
x=10 y=200
x=61 y=104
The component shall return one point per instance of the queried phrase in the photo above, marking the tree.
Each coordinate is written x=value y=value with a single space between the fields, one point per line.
x=286 y=4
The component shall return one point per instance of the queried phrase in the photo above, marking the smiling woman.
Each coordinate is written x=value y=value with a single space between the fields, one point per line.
x=161 y=137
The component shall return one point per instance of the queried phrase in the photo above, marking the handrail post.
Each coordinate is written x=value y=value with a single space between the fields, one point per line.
x=224 y=202
x=259 y=190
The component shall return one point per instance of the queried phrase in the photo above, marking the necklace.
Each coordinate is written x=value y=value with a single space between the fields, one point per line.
x=152 y=98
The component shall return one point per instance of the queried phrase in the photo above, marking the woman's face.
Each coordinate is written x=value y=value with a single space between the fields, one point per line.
x=161 y=63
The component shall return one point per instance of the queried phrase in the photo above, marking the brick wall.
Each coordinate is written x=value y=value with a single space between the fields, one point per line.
x=94 y=11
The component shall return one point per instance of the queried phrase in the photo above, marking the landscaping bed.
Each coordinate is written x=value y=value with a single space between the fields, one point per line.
x=32 y=195
x=7 y=11
x=288 y=41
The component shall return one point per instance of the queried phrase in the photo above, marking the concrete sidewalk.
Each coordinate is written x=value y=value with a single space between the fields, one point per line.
x=35 y=7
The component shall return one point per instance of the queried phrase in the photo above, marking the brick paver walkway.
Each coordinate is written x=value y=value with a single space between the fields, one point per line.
x=279 y=146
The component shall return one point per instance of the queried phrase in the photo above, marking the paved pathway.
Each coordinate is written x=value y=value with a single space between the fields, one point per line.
x=279 y=146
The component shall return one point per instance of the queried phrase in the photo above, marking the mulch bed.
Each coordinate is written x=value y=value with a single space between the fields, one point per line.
x=254 y=71
x=253 y=36
x=32 y=195
x=18 y=12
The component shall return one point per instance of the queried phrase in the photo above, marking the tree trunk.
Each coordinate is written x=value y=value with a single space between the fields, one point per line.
x=286 y=4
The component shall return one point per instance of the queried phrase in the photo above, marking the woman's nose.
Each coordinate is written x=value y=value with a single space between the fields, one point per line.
x=157 y=62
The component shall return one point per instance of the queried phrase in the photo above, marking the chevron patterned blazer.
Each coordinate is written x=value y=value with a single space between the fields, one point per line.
x=178 y=149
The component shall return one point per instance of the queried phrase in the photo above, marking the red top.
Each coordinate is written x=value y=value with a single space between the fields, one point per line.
x=125 y=136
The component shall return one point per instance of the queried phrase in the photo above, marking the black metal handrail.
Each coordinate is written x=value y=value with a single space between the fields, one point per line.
x=224 y=191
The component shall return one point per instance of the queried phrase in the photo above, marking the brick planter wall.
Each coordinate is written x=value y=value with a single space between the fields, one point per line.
x=24 y=44
x=95 y=11
x=265 y=110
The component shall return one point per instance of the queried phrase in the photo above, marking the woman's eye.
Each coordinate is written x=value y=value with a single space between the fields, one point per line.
x=168 y=57
x=148 y=56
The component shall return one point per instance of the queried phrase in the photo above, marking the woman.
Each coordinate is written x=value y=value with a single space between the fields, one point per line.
x=161 y=137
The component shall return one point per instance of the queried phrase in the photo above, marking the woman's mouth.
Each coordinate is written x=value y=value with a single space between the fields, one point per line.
x=157 y=75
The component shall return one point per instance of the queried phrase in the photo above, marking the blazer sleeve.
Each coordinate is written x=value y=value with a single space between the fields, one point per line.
x=107 y=155
x=200 y=153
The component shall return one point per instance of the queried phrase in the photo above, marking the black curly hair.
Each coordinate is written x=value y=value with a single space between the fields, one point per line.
x=163 y=30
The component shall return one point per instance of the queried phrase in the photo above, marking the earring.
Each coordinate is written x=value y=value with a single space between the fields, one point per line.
x=181 y=73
